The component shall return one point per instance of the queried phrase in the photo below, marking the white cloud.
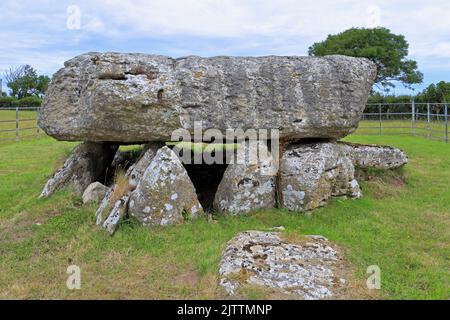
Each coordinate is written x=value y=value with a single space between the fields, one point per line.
x=35 y=32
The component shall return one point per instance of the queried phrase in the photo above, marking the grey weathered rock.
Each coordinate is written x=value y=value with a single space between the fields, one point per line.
x=165 y=194
x=311 y=269
x=248 y=184
x=103 y=207
x=86 y=164
x=119 y=208
x=311 y=173
x=95 y=192
x=375 y=156
x=138 y=98
x=118 y=211
x=135 y=172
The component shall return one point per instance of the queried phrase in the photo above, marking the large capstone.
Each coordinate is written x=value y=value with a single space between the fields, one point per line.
x=165 y=194
x=312 y=173
x=134 y=98
x=86 y=164
x=309 y=269
x=248 y=183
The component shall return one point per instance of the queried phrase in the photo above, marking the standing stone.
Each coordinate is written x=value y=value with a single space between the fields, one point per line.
x=134 y=98
x=104 y=205
x=311 y=173
x=249 y=183
x=165 y=194
x=86 y=164
x=117 y=212
x=95 y=192
x=375 y=156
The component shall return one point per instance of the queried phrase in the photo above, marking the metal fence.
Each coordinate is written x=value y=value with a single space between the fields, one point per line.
x=19 y=124
x=429 y=120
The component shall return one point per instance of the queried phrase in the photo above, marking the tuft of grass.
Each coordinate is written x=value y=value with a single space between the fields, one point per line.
x=121 y=186
x=383 y=183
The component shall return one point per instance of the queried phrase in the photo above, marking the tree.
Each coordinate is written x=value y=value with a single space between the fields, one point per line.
x=387 y=50
x=439 y=92
x=25 y=82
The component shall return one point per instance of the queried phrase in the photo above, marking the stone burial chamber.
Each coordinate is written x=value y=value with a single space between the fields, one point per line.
x=108 y=100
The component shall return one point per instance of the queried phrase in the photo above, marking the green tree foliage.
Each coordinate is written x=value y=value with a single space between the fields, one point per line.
x=439 y=92
x=27 y=102
x=25 y=82
x=387 y=50
x=389 y=98
x=434 y=93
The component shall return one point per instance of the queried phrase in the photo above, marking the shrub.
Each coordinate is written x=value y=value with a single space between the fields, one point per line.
x=29 y=102
x=13 y=102
x=7 y=102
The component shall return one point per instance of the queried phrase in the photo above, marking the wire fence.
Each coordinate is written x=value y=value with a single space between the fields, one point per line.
x=429 y=120
x=18 y=124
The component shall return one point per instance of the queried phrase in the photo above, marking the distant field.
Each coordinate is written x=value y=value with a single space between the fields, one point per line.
x=433 y=130
x=27 y=125
x=401 y=226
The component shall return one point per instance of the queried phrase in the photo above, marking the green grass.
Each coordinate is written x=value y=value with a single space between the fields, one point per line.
x=433 y=130
x=27 y=125
x=405 y=230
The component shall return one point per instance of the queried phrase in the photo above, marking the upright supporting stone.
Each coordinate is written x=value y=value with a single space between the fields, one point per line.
x=86 y=164
x=136 y=171
x=249 y=183
x=311 y=173
x=165 y=194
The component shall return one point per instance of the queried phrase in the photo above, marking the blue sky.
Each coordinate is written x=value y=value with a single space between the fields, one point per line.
x=46 y=33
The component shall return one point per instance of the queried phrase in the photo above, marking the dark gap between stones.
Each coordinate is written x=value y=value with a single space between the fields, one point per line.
x=206 y=179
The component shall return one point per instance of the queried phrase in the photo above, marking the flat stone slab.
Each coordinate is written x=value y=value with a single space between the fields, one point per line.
x=310 y=269
x=375 y=156
x=139 y=98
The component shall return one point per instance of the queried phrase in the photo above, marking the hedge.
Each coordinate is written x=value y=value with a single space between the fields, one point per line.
x=27 y=102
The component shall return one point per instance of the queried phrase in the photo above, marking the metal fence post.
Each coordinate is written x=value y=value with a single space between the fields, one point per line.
x=17 y=123
x=38 y=133
x=381 y=125
x=413 y=117
x=428 y=119
x=446 y=123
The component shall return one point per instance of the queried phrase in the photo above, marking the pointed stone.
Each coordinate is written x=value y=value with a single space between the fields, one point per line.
x=136 y=171
x=104 y=204
x=165 y=194
x=116 y=214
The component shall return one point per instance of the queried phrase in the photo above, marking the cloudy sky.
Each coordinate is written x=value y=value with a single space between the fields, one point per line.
x=46 y=33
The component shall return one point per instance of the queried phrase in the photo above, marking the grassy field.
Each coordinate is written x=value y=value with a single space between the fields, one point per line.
x=404 y=228
x=27 y=125
x=434 y=130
